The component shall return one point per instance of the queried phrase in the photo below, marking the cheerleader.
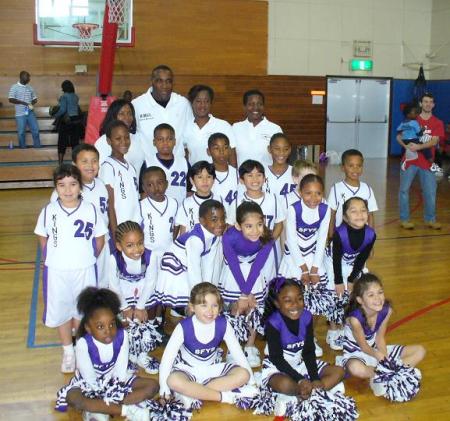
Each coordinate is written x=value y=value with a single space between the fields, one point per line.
x=367 y=317
x=102 y=385
x=191 y=365
x=248 y=249
x=351 y=245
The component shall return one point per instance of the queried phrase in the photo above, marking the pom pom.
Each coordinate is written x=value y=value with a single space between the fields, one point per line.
x=143 y=338
x=169 y=410
x=254 y=320
x=262 y=403
x=239 y=325
x=395 y=381
x=323 y=406
x=336 y=313
x=319 y=300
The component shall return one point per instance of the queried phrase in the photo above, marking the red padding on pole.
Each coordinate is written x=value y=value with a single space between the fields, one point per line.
x=106 y=68
x=96 y=114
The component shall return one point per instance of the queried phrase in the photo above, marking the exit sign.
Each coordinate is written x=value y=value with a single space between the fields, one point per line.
x=358 y=64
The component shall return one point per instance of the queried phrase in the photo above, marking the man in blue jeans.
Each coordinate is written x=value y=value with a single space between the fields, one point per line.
x=23 y=97
x=421 y=166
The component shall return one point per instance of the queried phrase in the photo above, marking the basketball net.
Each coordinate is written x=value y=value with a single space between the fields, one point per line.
x=117 y=10
x=86 y=40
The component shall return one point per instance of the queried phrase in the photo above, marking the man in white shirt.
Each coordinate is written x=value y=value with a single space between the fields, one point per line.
x=23 y=97
x=161 y=105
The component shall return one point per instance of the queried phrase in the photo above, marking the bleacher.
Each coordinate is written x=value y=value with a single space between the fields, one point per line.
x=25 y=168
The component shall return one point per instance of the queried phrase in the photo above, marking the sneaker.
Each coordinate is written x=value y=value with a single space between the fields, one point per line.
x=433 y=225
x=436 y=169
x=252 y=354
x=338 y=388
x=333 y=340
x=281 y=403
x=378 y=389
x=94 y=416
x=68 y=363
x=135 y=413
x=407 y=225
x=149 y=364
x=246 y=391
x=319 y=350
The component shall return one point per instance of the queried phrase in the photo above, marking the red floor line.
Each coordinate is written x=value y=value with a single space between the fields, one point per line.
x=2 y=259
x=417 y=314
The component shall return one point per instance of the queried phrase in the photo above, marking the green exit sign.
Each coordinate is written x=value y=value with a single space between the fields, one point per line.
x=357 y=64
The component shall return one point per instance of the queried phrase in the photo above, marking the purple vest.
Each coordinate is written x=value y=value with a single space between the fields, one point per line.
x=349 y=254
x=122 y=266
x=289 y=341
x=100 y=367
x=368 y=332
x=194 y=346
x=194 y=232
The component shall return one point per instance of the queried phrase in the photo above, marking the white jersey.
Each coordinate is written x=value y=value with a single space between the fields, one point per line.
x=149 y=114
x=341 y=191
x=195 y=139
x=176 y=175
x=122 y=178
x=252 y=141
x=158 y=221
x=291 y=198
x=271 y=205
x=187 y=215
x=282 y=184
x=94 y=193
x=70 y=233
x=135 y=154
x=226 y=186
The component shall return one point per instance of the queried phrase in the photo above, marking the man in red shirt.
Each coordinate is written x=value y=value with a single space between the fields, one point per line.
x=421 y=166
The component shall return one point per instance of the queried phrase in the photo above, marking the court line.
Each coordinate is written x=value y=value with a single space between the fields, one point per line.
x=405 y=237
x=417 y=314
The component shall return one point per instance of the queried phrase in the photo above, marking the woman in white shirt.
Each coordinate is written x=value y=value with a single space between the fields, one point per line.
x=253 y=134
x=197 y=131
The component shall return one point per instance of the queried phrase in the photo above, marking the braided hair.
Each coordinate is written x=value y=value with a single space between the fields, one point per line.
x=125 y=227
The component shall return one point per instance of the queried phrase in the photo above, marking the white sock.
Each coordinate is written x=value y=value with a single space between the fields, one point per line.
x=228 y=397
x=68 y=349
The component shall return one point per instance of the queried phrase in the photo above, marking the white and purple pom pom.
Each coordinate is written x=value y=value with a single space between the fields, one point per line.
x=239 y=325
x=262 y=404
x=323 y=406
x=170 y=410
x=396 y=381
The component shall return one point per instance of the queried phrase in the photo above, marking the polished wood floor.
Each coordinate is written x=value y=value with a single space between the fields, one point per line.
x=413 y=264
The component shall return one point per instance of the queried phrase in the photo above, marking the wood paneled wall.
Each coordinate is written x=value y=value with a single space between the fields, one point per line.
x=288 y=98
x=218 y=37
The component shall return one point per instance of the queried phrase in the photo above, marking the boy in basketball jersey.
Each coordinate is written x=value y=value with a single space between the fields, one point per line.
x=352 y=163
x=175 y=167
x=226 y=182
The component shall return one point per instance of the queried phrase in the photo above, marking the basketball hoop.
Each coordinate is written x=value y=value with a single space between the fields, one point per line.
x=117 y=10
x=86 y=40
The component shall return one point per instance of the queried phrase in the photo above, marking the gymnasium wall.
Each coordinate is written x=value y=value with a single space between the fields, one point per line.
x=221 y=37
x=315 y=37
x=440 y=38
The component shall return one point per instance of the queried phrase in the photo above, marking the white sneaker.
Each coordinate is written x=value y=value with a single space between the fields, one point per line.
x=135 y=413
x=333 y=339
x=252 y=354
x=319 y=350
x=246 y=391
x=378 y=389
x=281 y=403
x=94 y=416
x=338 y=388
x=68 y=363
x=149 y=364
x=185 y=400
x=436 y=169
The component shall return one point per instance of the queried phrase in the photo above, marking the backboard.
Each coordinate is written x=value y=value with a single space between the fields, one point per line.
x=55 y=20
